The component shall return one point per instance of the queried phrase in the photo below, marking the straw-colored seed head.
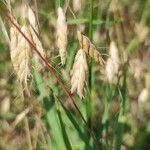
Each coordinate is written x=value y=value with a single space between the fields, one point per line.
x=37 y=42
x=112 y=65
x=89 y=48
x=79 y=73
x=62 y=35
x=34 y=31
x=21 y=54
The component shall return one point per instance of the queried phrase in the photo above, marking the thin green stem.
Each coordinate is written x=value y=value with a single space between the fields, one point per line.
x=121 y=117
x=89 y=106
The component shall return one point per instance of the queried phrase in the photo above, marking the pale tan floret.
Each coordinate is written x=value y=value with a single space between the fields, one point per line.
x=62 y=35
x=34 y=31
x=89 y=48
x=21 y=54
x=112 y=64
x=79 y=73
x=37 y=42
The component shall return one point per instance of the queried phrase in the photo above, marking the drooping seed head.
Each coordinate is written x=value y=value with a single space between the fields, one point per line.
x=79 y=73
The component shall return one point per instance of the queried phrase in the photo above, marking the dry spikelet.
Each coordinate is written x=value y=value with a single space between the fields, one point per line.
x=89 y=48
x=34 y=31
x=62 y=35
x=32 y=19
x=37 y=42
x=21 y=54
x=112 y=65
x=79 y=73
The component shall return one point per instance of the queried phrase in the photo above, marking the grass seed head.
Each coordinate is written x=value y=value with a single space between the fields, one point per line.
x=62 y=35
x=21 y=54
x=79 y=73
x=33 y=26
x=89 y=48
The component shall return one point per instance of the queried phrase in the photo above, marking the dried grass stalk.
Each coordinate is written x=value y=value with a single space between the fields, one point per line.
x=112 y=65
x=62 y=35
x=21 y=54
x=79 y=73
x=89 y=48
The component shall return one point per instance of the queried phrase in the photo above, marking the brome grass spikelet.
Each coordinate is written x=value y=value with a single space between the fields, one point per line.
x=89 y=48
x=79 y=73
x=34 y=31
x=21 y=54
x=62 y=35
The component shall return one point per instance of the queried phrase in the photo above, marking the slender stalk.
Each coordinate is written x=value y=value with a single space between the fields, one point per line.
x=121 y=118
x=26 y=123
x=89 y=106
x=28 y=133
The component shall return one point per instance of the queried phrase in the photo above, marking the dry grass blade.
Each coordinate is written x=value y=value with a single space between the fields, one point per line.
x=79 y=73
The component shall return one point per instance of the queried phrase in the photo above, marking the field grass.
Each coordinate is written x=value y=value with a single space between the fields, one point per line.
x=45 y=114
